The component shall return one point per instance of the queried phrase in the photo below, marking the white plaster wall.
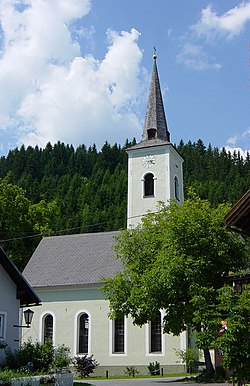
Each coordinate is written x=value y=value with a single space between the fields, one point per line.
x=9 y=305
x=168 y=165
x=68 y=303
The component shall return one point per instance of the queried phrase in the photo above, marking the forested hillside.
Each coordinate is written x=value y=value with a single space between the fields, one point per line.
x=88 y=188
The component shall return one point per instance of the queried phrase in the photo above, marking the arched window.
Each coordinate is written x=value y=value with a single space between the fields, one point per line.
x=149 y=185
x=151 y=133
x=47 y=327
x=176 y=189
x=83 y=334
x=155 y=335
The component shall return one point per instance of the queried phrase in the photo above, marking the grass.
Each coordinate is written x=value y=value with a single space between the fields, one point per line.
x=80 y=384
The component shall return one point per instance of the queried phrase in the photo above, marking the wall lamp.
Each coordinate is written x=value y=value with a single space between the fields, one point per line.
x=28 y=315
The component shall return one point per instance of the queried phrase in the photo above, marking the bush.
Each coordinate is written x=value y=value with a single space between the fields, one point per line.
x=154 y=368
x=61 y=357
x=189 y=357
x=31 y=356
x=5 y=377
x=131 y=371
x=85 y=365
x=38 y=357
x=47 y=380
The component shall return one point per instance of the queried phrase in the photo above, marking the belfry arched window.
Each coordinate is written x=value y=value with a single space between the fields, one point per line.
x=151 y=134
x=176 y=189
x=149 y=185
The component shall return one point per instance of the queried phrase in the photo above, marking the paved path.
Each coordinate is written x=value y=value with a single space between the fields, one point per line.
x=132 y=382
x=147 y=382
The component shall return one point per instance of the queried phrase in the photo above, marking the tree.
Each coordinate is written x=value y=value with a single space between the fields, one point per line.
x=234 y=341
x=173 y=256
x=20 y=220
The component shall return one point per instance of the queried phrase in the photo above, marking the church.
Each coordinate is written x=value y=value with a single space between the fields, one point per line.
x=66 y=271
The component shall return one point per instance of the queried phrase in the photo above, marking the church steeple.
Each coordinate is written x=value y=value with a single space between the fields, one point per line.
x=155 y=123
x=154 y=165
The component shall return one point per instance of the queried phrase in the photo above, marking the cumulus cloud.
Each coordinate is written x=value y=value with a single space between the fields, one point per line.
x=230 y=24
x=195 y=46
x=50 y=91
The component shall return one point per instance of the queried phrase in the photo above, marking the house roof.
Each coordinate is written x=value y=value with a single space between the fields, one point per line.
x=24 y=291
x=73 y=260
x=239 y=215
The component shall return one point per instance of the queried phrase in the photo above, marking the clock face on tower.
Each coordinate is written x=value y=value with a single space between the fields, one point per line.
x=148 y=161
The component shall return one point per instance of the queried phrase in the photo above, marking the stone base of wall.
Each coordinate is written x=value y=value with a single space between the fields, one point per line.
x=111 y=371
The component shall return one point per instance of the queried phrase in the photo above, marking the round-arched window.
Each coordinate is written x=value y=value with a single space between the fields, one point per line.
x=149 y=185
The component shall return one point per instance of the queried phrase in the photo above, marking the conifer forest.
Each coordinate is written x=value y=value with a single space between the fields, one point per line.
x=62 y=190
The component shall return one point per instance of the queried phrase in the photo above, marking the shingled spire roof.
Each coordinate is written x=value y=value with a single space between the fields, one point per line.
x=155 y=122
x=155 y=127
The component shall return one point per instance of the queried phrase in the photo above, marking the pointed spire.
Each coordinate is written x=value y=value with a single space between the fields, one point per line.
x=155 y=123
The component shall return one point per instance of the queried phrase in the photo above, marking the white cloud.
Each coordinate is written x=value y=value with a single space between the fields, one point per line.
x=239 y=142
x=242 y=152
x=194 y=56
x=195 y=47
x=232 y=140
x=49 y=92
x=246 y=133
x=230 y=24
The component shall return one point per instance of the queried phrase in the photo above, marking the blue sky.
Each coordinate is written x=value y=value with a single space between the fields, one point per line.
x=78 y=71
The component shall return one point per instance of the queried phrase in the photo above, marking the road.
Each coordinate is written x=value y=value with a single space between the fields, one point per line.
x=146 y=382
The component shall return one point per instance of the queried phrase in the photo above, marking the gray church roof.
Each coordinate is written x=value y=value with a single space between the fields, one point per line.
x=81 y=259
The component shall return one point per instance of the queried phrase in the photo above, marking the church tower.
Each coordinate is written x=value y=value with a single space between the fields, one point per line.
x=154 y=165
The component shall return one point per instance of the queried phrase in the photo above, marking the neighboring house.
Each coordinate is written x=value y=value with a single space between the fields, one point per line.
x=66 y=271
x=238 y=218
x=16 y=293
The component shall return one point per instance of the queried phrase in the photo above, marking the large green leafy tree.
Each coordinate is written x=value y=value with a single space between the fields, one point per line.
x=168 y=260
x=20 y=221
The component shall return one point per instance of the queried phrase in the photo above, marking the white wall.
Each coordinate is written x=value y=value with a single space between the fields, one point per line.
x=65 y=305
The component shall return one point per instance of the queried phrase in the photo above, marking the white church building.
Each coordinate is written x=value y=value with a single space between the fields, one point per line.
x=66 y=271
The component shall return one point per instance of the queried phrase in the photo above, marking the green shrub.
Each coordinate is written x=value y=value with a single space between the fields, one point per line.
x=47 y=380
x=154 y=368
x=61 y=357
x=85 y=365
x=31 y=356
x=189 y=357
x=5 y=377
x=34 y=356
x=131 y=371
